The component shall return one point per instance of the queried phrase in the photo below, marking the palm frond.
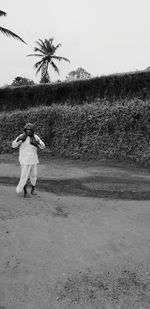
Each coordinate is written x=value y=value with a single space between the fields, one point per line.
x=57 y=46
x=39 y=68
x=41 y=44
x=2 y=13
x=54 y=66
x=39 y=50
x=61 y=58
x=11 y=34
x=38 y=63
x=49 y=47
x=49 y=41
x=36 y=55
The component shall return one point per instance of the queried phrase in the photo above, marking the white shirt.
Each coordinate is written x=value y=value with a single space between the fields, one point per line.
x=28 y=152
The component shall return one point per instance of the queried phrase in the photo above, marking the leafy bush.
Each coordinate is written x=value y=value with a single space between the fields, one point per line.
x=22 y=81
x=112 y=88
x=89 y=132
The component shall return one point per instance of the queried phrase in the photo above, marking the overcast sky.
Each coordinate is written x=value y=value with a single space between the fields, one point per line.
x=102 y=36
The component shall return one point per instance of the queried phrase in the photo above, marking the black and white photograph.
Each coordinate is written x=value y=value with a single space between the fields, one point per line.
x=75 y=154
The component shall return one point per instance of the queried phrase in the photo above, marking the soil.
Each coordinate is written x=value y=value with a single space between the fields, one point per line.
x=82 y=242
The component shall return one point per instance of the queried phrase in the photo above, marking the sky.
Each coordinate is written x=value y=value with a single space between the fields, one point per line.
x=102 y=36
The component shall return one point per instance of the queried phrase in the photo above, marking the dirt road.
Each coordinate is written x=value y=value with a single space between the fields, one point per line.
x=69 y=247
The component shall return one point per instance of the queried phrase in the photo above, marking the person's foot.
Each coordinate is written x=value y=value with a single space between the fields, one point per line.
x=33 y=192
x=26 y=194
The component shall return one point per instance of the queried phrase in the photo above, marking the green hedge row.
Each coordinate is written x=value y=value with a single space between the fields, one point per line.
x=87 y=132
x=112 y=87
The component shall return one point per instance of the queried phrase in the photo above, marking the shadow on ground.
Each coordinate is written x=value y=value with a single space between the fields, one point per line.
x=93 y=186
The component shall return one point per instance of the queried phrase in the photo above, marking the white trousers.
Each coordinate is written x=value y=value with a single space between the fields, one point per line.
x=27 y=171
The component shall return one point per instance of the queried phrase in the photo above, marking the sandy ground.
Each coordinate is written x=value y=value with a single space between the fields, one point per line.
x=54 y=245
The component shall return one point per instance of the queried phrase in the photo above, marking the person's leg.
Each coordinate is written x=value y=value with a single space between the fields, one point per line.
x=33 y=177
x=25 y=191
x=25 y=171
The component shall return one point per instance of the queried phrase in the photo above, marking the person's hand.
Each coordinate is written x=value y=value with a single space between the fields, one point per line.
x=34 y=142
x=22 y=137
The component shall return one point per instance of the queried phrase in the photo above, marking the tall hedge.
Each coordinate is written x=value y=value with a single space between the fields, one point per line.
x=112 y=87
x=88 y=131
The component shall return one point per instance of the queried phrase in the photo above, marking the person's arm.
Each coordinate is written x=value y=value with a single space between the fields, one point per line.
x=16 y=143
x=40 y=143
x=21 y=138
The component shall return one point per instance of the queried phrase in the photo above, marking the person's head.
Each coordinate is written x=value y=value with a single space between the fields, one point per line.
x=29 y=129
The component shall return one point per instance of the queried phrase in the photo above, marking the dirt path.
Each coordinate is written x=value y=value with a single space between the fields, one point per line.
x=68 y=250
x=105 y=178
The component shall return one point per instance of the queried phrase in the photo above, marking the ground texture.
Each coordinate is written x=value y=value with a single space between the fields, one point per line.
x=82 y=242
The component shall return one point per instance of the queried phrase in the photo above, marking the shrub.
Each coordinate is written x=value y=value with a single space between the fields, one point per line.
x=112 y=88
x=88 y=132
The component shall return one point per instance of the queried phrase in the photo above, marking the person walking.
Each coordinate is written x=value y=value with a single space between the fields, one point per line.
x=28 y=143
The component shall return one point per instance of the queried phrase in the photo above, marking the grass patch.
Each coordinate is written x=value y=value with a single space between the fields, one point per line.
x=124 y=288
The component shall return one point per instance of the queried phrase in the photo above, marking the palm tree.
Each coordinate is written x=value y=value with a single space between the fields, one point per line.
x=8 y=32
x=46 y=51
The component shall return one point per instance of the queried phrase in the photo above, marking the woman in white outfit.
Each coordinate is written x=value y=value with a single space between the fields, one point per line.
x=28 y=143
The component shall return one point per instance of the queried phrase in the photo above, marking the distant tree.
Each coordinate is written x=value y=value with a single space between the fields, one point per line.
x=9 y=32
x=45 y=78
x=46 y=51
x=80 y=73
x=22 y=81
